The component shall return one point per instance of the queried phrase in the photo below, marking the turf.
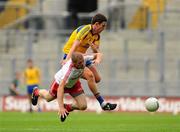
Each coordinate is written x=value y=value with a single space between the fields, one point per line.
x=89 y=122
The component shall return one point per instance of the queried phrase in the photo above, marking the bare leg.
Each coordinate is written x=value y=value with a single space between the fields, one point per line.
x=81 y=103
x=46 y=95
x=88 y=75
x=30 y=103
x=95 y=73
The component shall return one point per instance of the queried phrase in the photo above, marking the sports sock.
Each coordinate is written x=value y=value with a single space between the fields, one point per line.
x=68 y=107
x=99 y=98
x=36 y=92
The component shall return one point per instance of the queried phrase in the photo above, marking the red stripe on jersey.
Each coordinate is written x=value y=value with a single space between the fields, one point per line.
x=68 y=72
x=53 y=88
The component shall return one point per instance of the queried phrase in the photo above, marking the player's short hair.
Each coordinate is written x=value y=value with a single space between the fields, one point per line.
x=76 y=56
x=98 y=18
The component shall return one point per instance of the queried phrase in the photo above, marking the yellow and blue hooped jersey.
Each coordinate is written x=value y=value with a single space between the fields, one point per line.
x=85 y=36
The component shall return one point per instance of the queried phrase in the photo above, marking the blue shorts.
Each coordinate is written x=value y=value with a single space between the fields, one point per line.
x=30 y=88
x=88 y=62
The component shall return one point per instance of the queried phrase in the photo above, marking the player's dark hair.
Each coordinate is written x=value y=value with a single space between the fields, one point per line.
x=98 y=18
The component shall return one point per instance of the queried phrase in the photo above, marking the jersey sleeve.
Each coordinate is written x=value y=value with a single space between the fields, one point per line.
x=83 y=32
x=66 y=74
x=63 y=73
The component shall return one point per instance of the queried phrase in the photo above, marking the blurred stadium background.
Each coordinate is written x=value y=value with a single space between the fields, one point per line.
x=141 y=44
x=141 y=48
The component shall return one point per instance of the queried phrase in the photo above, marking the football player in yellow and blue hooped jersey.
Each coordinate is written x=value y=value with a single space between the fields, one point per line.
x=84 y=37
x=31 y=78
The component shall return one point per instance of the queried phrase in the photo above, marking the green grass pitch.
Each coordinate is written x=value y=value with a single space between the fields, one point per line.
x=89 y=122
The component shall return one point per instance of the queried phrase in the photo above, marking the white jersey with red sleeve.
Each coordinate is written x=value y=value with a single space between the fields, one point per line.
x=69 y=74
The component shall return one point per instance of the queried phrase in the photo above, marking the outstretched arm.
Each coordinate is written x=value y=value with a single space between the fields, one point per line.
x=95 y=48
x=98 y=54
x=60 y=95
x=98 y=58
x=95 y=57
x=73 y=48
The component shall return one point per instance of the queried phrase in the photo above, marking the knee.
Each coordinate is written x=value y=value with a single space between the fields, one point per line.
x=89 y=76
x=48 y=100
x=83 y=107
x=98 y=79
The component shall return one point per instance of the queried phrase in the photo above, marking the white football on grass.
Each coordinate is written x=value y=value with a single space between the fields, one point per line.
x=152 y=104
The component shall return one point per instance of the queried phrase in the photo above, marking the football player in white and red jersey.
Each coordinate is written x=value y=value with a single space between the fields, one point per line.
x=66 y=80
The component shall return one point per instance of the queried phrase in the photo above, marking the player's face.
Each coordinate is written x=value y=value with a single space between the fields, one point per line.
x=100 y=27
x=30 y=64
